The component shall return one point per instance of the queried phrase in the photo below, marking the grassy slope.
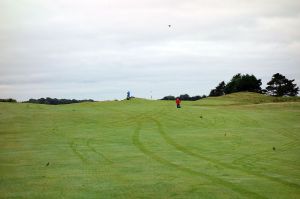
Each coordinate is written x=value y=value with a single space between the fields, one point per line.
x=150 y=149
x=243 y=98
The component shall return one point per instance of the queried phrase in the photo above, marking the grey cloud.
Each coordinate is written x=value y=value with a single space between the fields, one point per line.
x=102 y=48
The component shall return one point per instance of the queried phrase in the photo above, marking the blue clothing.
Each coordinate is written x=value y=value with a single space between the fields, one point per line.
x=128 y=95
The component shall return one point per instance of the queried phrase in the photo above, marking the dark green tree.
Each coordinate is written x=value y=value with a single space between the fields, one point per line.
x=184 y=97
x=240 y=83
x=281 y=86
x=219 y=90
x=55 y=101
x=8 y=100
x=169 y=97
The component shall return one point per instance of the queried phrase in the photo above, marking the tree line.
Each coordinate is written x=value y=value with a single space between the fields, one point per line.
x=278 y=86
x=48 y=100
x=8 y=100
x=54 y=101
x=184 y=97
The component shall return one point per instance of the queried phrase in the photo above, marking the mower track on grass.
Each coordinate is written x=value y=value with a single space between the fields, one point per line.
x=88 y=143
x=139 y=145
x=265 y=154
x=73 y=146
x=118 y=178
x=183 y=149
x=90 y=148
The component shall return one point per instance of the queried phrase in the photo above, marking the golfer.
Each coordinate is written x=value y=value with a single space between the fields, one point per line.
x=128 y=95
x=178 y=102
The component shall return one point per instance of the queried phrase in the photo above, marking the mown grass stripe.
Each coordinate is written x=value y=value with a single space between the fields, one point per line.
x=136 y=141
x=183 y=149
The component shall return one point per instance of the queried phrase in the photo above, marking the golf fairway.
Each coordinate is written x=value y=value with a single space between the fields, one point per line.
x=239 y=146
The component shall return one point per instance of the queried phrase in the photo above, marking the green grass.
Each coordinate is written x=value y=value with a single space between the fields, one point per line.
x=212 y=148
x=244 y=98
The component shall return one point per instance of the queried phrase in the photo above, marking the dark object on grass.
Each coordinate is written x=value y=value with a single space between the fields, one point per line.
x=47 y=164
x=201 y=116
x=225 y=134
x=274 y=148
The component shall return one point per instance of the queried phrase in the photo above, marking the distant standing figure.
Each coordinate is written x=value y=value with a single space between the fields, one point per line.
x=128 y=95
x=178 y=101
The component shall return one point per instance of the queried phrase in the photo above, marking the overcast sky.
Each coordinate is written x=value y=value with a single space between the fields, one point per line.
x=99 y=49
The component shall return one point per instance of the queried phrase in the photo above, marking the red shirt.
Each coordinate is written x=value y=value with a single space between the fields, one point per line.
x=178 y=101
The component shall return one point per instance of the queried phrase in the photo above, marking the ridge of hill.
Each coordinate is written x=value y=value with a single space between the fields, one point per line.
x=244 y=98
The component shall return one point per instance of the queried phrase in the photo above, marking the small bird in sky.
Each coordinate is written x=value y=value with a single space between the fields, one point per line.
x=169 y=26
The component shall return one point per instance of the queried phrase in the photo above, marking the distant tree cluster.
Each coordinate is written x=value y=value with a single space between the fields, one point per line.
x=281 y=86
x=278 y=86
x=8 y=100
x=184 y=97
x=240 y=83
x=54 y=101
x=219 y=90
x=169 y=97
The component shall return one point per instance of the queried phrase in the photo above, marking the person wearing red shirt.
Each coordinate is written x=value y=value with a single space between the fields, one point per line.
x=178 y=102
